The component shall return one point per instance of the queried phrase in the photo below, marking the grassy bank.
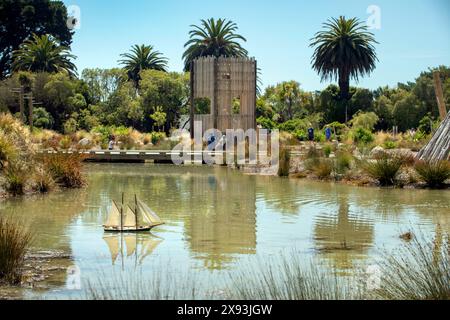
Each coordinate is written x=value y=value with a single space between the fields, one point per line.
x=376 y=167
x=23 y=170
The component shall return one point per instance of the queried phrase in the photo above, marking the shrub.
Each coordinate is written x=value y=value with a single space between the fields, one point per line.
x=313 y=152
x=8 y=151
x=157 y=137
x=293 y=125
x=147 y=139
x=300 y=135
x=323 y=168
x=365 y=120
x=433 y=173
x=14 y=243
x=266 y=123
x=384 y=169
x=284 y=163
x=16 y=177
x=42 y=180
x=343 y=161
x=65 y=169
x=70 y=126
x=361 y=135
x=65 y=143
x=389 y=144
x=327 y=150
x=319 y=136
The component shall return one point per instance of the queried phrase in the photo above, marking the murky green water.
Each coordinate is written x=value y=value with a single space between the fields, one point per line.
x=219 y=221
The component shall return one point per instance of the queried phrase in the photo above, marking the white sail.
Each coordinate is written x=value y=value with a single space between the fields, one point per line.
x=129 y=219
x=114 y=217
x=131 y=243
x=148 y=215
x=113 y=245
x=148 y=246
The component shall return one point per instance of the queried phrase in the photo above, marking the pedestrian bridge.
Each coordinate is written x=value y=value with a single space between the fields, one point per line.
x=157 y=156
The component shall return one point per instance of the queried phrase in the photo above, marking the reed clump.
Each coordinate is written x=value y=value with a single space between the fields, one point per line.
x=16 y=177
x=14 y=244
x=323 y=168
x=434 y=174
x=65 y=169
x=420 y=270
x=384 y=169
x=284 y=163
x=289 y=279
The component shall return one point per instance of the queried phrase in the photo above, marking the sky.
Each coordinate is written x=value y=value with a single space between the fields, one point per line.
x=413 y=35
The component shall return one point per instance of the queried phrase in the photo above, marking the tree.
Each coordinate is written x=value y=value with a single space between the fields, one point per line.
x=142 y=58
x=213 y=38
x=43 y=54
x=344 y=50
x=102 y=83
x=169 y=90
x=42 y=119
x=159 y=117
x=19 y=19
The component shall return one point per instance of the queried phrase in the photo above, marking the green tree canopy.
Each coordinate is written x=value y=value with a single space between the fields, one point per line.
x=213 y=38
x=43 y=54
x=344 y=50
x=142 y=58
x=19 y=19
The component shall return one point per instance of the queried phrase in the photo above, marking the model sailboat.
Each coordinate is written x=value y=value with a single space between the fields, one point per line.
x=124 y=219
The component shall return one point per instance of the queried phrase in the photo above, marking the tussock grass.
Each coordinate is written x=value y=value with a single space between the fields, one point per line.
x=66 y=169
x=161 y=286
x=287 y=279
x=434 y=174
x=43 y=181
x=14 y=243
x=323 y=168
x=384 y=169
x=420 y=270
x=284 y=163
x=15 y=179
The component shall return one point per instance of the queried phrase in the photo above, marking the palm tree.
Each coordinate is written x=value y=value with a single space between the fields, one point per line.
x=142 y=58
x=344 y=50
x=43 y=54
x=213 y=38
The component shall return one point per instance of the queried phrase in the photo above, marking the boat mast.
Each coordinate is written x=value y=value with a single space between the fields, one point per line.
x=121 y=211
x=136 y=210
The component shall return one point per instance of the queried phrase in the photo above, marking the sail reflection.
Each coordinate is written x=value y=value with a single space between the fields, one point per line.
x=131 y=246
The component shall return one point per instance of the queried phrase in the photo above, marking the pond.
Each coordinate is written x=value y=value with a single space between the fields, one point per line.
x=219 y=221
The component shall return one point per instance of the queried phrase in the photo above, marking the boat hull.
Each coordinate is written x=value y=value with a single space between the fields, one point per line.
x=130 y=229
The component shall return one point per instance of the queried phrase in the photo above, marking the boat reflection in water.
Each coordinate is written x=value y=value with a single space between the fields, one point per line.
x=131 y=246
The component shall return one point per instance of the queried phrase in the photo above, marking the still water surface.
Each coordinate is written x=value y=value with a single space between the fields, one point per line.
x=220 y=221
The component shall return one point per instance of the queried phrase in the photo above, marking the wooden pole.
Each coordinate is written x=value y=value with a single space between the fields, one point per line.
x=30 y=111
x=439 y=95
x=22 y=104
x=192 y=100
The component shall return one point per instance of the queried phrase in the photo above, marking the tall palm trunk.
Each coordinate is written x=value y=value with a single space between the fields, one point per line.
x=344 y=86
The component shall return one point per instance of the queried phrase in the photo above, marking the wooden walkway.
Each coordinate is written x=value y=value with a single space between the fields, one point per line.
x=157 y=156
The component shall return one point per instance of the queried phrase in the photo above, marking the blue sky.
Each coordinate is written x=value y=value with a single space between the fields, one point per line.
x=414 y=34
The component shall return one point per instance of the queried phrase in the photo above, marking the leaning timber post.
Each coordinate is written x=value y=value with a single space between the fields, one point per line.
x=192 y=101
x=439 y=95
